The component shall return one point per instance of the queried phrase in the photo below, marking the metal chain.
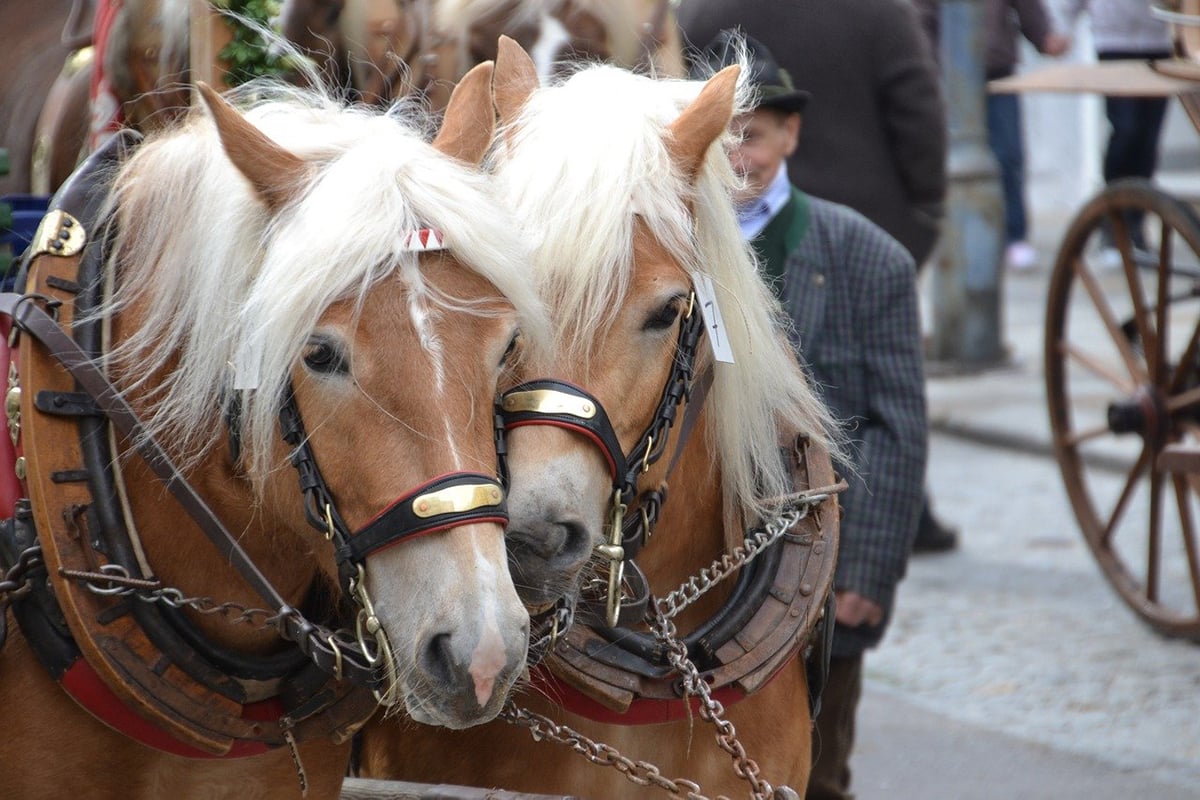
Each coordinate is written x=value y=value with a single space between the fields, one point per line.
x=710 y=708
x=755 y=542
x=643 y=773
x=15 y=585
x=114 y=581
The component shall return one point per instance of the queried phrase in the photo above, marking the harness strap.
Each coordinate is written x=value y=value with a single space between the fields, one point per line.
x=313 y=640
x=564 y=405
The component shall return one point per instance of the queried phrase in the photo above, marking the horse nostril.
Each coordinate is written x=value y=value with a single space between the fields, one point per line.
x=552 y=542
x=438 y=660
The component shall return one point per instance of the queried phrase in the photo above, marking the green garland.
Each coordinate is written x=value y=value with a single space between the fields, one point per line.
x=247 y=56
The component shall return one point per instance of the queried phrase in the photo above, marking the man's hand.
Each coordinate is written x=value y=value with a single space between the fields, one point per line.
x=1056 y=45
x=853 y=610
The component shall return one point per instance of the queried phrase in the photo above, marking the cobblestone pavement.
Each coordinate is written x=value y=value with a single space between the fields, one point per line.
x=1018 y=633
x=1012 y=669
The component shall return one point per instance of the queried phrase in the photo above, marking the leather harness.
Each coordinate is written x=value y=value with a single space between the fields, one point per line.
x=142 y=667
x=608 y=670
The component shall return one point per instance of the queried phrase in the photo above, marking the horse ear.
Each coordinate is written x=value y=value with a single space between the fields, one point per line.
x=516 y=79
x=702 y=122
x=470 y=118
x=275 y=173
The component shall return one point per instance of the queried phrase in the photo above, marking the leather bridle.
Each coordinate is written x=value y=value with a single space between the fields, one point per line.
x=565 y=405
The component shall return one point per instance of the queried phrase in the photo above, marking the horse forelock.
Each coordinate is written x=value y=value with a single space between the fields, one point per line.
x=585 y=158
x=222 y=286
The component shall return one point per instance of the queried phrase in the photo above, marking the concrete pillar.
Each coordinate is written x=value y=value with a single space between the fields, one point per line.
x=967 y=282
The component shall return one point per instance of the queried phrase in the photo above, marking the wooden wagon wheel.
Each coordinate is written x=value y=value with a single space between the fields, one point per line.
x=1122 y=358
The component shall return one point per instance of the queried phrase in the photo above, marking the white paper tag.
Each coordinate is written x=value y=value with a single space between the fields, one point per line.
x=714 y=323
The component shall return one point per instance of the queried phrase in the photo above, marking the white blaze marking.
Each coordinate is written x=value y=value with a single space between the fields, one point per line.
x=489 y=657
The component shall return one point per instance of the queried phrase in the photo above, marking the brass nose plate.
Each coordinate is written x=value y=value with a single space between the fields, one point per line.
x=457 y=499
x=550 y=401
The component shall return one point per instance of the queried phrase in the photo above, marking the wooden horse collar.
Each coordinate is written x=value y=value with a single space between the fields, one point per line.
x=620 y=675
x=139 y=666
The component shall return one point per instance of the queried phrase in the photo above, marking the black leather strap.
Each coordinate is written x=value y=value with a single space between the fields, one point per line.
x=312 y=639
x=596 y=427
x=402 y=519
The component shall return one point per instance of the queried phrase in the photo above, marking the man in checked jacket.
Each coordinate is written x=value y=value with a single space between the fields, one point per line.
x=850 y=291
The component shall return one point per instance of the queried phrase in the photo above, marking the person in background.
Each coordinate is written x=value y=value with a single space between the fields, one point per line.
x=850 y=294
x=879 y=141
x=1122 y=30
x=1005 y=21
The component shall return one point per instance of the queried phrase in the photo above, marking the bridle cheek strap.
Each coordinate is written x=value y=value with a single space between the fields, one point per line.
x=458 y=498
x=564 y=405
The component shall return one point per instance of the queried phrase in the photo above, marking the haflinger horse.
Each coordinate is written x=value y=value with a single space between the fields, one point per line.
x=630 y=33
x=299 y=285
x=659 y=433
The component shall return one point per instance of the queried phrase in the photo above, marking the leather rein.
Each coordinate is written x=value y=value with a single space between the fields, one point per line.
x=68 y=262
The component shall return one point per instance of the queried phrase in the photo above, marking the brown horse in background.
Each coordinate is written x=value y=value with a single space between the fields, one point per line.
x=38 y=38
x=623 y=184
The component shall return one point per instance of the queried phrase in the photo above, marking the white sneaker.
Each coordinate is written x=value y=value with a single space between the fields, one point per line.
x=1020 y=256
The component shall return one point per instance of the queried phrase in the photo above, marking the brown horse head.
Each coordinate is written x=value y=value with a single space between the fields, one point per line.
x=335 y=257
x=617 y=177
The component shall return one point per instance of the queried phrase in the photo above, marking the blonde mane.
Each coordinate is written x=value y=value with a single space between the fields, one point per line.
x=585 y=157
x=227 y=293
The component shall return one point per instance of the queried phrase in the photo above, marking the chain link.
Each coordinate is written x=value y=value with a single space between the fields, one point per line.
x=755 y=542
x=114 y=581
x=15 y=584
x=643 y=773
x=711 y=710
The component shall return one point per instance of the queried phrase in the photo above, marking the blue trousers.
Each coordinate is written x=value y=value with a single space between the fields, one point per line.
x=1008 y=145
x=1136 y=124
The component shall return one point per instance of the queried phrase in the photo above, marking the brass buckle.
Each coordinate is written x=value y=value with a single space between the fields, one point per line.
x=379 y=650
x=615 y=553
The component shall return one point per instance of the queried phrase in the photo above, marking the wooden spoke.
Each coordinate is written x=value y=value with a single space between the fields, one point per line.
x=1181 y=401
x=1154 y=539
x=1132 y=361
x=1094 y=365
x=1141 y=312
x=1087 y=434
x=1187 y=523
x=1131 y=482
x=1184 y=368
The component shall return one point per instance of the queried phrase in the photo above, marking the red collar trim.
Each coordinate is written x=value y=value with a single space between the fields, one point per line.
x=642 y=711
x=84 y=686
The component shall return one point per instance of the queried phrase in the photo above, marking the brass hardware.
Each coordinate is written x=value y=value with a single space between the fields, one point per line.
x=615 y=554
x=59 y=234
x=646 y=457
x=19 y=468
x=367 y=624
x=12 y=404
x=550 y=401
x=691 y=303
x=466 y=497
x=337 y=657
x=328 y=522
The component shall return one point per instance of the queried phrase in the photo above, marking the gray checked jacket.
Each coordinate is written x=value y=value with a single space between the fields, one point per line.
x=850 y=292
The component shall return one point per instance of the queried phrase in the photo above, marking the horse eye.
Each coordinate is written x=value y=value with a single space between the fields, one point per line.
x=511 y=350
x=664 y=317
x=325 y=357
